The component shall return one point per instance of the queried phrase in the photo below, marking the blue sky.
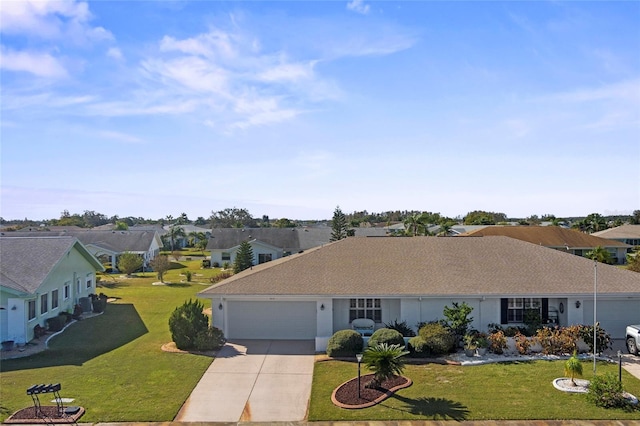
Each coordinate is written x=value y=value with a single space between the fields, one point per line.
x=149 y=108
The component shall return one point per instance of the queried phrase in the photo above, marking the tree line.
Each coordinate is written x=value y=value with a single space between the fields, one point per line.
x=416 y=222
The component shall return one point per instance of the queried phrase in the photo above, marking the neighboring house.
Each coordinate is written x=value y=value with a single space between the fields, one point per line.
x=555 y=237
x=39 y=278
x=109 y=245
x=272 y=243
x=628 y=234
x=314 y=294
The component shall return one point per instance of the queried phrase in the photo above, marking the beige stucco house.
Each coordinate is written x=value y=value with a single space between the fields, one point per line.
x=316 y=293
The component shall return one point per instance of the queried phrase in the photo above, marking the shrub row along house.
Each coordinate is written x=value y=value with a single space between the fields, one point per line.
x=312 y=295
x=41 y=277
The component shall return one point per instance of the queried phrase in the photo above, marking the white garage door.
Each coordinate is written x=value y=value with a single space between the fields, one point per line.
x=613 y=315
x=271 y=320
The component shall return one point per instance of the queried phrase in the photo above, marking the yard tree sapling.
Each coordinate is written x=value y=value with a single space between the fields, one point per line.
x=160 y=265
x=129 y=262
x=338 y=225
x=244 y=257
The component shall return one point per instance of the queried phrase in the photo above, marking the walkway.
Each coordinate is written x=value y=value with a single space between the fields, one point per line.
x=254 y=380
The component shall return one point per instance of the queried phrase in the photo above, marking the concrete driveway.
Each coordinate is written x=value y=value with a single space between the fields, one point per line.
x=254 y=380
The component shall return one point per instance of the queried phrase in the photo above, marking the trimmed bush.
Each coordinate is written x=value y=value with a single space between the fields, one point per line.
x=210 y=339
x=418 y=347
x=438 y=338
x=386 y=335
x=186 y=323
x=345 y=343
x=57 y=323
x=606 y=391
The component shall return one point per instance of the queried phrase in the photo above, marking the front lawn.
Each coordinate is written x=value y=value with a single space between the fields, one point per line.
x=509 y=391
x=113 y=364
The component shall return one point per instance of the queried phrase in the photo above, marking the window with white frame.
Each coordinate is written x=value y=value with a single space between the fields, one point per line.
x=264 y=257
x=54 y=299
x=89 y=281
x=31 y=307
x=226 y=256
x=365 y=308
x=66 y=292
x=518 y=306
x=44 y=303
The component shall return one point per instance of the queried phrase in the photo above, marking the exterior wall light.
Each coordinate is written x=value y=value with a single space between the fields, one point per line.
x=578 y=304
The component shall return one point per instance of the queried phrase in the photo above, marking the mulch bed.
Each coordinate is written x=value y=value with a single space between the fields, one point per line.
x=346 y=395
x=50 y=414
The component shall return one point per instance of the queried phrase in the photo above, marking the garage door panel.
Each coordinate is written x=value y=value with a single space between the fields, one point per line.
x=271 y=320
x=613 y=315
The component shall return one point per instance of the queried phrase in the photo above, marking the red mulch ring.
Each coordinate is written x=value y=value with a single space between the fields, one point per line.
x=50 y=414
x=346 y=395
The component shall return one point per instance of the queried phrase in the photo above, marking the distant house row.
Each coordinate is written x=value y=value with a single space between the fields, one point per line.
x=45 y=273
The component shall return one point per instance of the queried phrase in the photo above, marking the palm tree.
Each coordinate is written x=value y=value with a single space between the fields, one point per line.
x=414 y=224
x=174 y=233
x=600 y=254
x=573 y=367
x=385 y=361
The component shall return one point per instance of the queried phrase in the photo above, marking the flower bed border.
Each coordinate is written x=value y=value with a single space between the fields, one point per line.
x=378 y=400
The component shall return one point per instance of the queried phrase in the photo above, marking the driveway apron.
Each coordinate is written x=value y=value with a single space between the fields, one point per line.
x=254 y=380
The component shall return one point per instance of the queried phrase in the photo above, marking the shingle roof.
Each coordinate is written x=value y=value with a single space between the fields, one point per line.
x=620 y=232
x=116 y=241
x=548 y=236
x=289 y=239
x=428 y=266
x=25 y=262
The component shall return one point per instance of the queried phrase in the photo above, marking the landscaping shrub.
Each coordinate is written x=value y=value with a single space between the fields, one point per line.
x=385 y=361
x=221 y=276
x=68 y=316
x=401 y=327
x=523 y=344
x=186 y=322
x=56 y=323
x=345 y=343
x=497 y=342
x=438 y=339
x=417 y=347
x=98 y=303
x=606 y=391
x=188 y=276
x=557 y=340
x=458 y=318
x=210 y=339
x=532 y=321
x=603 y=339
x=206 y=263
x=386 y=335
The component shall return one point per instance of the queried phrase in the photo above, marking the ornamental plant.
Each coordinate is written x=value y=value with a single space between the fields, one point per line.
x=498 y=342
x=523 y=344
x=385 y=361
x=606 y=391
x=573 y=367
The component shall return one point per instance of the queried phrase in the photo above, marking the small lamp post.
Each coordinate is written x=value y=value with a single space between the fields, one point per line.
x=620 y=366
x=359 y=358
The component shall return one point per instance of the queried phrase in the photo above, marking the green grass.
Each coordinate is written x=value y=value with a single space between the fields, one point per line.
x=509 y=391
x=113 y=364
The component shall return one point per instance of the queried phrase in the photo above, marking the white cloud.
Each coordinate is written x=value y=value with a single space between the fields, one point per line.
x=358 y=6
x=119 y=136
x=115 y=53
x=36 y=63
x=51 y=19
x=288 y=72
